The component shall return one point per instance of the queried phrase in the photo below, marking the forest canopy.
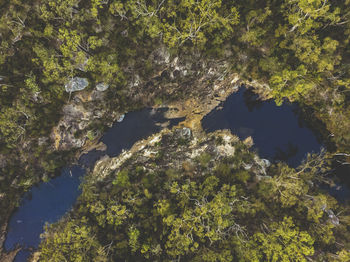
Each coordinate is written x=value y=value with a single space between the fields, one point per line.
x=296 y=50
x=298 y=47
x=216 y=206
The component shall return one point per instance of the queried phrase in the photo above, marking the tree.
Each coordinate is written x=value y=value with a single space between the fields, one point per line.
x=284 y=242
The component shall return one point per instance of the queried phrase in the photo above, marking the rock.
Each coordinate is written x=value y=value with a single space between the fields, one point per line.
x=82 y=66
x=333 y=218
x=136 y=81
x=247 y=166
x=184 y=133
x=266 y=162
x=96 y=95
x=121 y=118
x=37 y=97
x=160 y=56
x=125 y=33
x=98 y=114
x=75 y=118
x=42 y=140
x=72 y=111
x=83 y=124
x=262 y=164
x=248 y=141
x=76 y=84
x=102 y=87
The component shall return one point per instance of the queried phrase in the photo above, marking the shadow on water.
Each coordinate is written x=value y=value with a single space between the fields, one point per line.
x=49 y=201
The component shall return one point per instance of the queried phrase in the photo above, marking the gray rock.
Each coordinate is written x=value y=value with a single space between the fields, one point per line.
x=161 y=56
x=184 y=133
x=42 y=140
x=76 y=84
x=125 y=33
x=102 y=87
x=98 y=114
x=71 y=112
x=266 y=162
x=82 y=66
x=121 y=118
x=75 y=118
x=97 y=95
x=247 y=166
x=333 y=218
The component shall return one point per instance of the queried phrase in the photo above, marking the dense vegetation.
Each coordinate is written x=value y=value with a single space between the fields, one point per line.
x=299 y=48
x=213 y=206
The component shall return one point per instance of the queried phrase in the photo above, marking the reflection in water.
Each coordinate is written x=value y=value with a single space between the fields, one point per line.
x=251 y=101
x=287 y=153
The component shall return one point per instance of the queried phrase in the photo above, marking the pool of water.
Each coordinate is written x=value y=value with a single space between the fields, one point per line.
x=279 y=134
x=49 y=201
x=44 y=203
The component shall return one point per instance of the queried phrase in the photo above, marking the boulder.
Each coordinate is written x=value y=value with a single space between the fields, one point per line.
x=102 y=87
x=121 y=118
x=183 y=133
x=333 y=218
x=76 y=84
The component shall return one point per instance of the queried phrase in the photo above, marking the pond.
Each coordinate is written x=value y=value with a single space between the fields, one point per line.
x=49 y=201
x=279 y=134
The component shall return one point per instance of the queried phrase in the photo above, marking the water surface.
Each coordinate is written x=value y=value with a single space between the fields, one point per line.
x=277 y=131
x=49 y=201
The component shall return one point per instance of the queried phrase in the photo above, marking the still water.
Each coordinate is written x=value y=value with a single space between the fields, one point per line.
x=278 y=132
x=49 y=201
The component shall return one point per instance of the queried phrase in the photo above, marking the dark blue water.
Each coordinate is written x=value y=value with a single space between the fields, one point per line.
x=278 y=134
x=44 y=203
x=49 y=201
x=277 y=131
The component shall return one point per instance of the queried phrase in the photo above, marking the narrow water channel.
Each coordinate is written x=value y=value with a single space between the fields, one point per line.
x=49 y=201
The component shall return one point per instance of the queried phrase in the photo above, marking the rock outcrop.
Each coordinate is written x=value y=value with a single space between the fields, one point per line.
x=76 y=84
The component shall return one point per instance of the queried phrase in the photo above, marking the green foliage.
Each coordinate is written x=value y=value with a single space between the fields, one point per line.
x=122 y=179
x=204 y=159
x=284 y=242
x=219 y=214
x=299 y=48
x=75 y=242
